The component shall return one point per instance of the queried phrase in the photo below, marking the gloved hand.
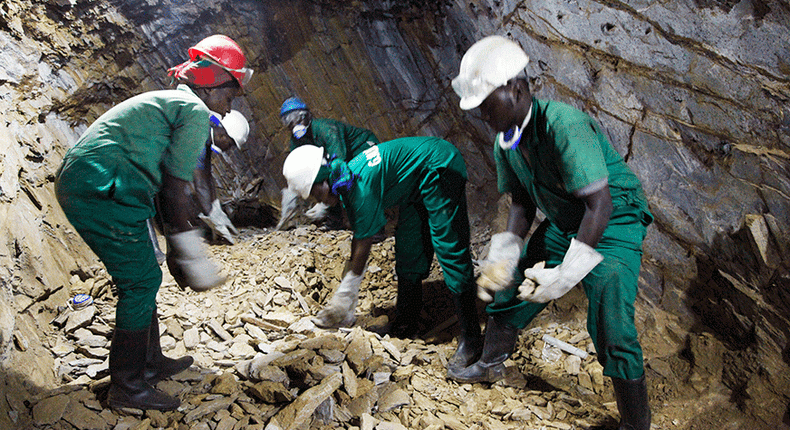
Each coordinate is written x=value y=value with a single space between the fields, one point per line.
x=188 y=263
x=290 y=200
x=498 y=268
x=543 y=284
x=219 y=223
x=339 y=312
x=317 y=212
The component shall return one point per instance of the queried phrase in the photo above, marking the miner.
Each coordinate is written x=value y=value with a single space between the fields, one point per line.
x=553 y=157
x=342 y=140
x=106 y=184
x=425 y=177
x=227 y=133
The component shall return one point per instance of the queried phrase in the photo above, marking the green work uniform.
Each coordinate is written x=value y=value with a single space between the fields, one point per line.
x=338 y=138
x=107 y=182
x=562 y=150
x=426 y=178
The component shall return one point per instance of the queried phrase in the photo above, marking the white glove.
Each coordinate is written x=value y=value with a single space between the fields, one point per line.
x=219 y=223
x=290 y=201
x=317 y=212
x=543 y=285
x=498 y=268
x=189 y=264
x=339 y=312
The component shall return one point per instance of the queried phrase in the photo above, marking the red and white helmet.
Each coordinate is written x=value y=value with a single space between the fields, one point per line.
x=224 y=52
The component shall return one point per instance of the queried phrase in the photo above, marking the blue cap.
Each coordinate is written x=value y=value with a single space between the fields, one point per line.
x=293 y=103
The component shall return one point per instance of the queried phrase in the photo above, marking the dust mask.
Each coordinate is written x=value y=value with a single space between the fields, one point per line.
x=299 y=131
x=511 y=138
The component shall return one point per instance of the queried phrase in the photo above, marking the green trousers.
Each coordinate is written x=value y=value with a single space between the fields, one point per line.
x=110 y=215
x=611 y=288
x=438 y=222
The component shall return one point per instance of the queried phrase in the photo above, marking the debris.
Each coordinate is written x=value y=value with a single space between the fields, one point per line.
x=564 y=346
x=261 y=363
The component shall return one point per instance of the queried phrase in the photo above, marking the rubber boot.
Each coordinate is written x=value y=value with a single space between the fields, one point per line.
x=128 y=387
x=470 y=341
x=406 y=324
x=631 y=395
x=500 y=340
x=157 y=365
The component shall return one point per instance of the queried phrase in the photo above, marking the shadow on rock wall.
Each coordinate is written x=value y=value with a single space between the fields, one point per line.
x=742 y=297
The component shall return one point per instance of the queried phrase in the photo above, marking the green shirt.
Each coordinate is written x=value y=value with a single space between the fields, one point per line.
x=338 y=138
x=563 y=150
x=390 y=174
x=144 y=134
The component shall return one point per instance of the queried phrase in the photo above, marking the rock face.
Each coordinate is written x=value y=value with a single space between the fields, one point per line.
x=694 y=95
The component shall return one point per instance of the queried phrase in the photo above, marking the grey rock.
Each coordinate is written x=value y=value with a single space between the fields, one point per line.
x=80 y=318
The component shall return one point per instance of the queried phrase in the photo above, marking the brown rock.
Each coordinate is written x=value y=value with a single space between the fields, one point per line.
x=226 y=423
x=80 y=318
x=81 y=417
x=158 y=418
x=392 y=397
x=270 y=373
x=349 y=380
x=297 y=413
x=271 y=392
x=226 y=384
x=208 y=407
x=220 y=331
x=365 y=400
x=451 y=422
x=50 y=410
x=323 y=342
x=358 y=350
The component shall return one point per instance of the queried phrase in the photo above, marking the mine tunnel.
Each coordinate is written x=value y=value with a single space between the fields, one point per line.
x=693 y=95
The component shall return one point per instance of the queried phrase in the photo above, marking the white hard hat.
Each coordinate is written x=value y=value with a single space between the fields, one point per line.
x=487 y=65
x=301 y=168
x=237 y=127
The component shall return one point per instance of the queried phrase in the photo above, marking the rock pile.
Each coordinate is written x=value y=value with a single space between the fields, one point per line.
x=260 y=363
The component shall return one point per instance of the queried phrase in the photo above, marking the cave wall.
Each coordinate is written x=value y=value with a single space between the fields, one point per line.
x=694 y=94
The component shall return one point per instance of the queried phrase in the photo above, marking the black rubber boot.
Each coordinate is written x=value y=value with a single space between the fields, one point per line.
x=128 y=387
x=407 y=309
x=406 y=323
x=499 y=342
x=470 y=341
x=157 y=365
x=631 y=395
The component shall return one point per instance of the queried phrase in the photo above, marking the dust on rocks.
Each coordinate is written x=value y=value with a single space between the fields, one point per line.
x=260 y=363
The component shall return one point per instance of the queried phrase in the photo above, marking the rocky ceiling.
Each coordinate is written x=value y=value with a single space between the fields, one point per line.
x=694 y=94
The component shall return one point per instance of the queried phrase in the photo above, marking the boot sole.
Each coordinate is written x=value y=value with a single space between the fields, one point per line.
x=490 y=375
x=115 y=404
